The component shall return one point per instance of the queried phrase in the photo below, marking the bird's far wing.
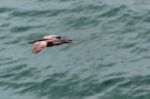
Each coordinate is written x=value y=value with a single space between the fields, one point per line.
x=31 y=42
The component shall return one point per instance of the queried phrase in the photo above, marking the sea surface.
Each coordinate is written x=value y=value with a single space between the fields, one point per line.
x=110 y=61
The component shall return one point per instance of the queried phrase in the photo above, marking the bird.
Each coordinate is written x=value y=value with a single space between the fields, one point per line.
x=48 y=41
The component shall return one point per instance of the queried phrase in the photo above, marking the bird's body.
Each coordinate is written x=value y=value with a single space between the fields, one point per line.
x=48 y=41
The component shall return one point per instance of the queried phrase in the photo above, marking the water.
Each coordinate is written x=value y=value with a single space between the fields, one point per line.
x=111 y=60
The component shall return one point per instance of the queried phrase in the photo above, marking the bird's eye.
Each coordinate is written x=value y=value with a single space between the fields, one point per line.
x=58 y=37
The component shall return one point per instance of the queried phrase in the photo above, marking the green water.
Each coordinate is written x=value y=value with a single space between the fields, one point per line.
x=110 y=61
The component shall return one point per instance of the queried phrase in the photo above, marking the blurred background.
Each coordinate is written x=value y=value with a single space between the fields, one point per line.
x=110 y=61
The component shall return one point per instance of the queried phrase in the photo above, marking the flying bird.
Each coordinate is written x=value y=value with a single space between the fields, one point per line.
x=48 y=41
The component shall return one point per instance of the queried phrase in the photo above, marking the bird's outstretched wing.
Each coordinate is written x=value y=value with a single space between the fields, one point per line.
x=38 y=46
